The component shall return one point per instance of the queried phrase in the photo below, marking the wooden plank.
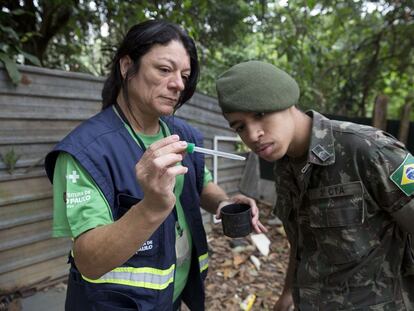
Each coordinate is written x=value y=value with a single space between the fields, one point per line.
x=24 y=235
x=253 y=186
x=23 y=165
x=63 y=91
x=205 y=102
x=229 y=185
x=36 y=172
x=228 y=146
x=31 y=137
x=27 y=149
x=23 y=190
x=27 y=157
x=202 y=116
x=32 y=254
x=23 y=279
x=30 y=125
x=224 y=174
x=229 y=178
x=208 y=131
x=22 y=173
x=30 y=107
x=25 y=213
x=249 y=183
x=51 y=73
x=56 y=86
x=233 y=165
x=267 y=193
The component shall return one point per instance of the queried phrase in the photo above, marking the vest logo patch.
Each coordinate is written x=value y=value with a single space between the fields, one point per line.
x=73 y=199
x=147 y=246
x=73 y=177
x=403 y=176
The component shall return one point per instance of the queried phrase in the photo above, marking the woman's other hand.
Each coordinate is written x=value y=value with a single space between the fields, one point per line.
x=240 y=198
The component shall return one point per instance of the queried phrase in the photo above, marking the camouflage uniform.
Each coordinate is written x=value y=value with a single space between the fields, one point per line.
x=336 y=207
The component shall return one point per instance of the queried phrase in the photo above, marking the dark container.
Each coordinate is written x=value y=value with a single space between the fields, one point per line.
x=236 y=220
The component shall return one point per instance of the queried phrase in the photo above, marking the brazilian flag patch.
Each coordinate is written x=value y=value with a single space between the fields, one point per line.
x=403 y=176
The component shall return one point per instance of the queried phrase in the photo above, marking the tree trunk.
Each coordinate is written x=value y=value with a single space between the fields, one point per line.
x=379 y=119
x=405 y=121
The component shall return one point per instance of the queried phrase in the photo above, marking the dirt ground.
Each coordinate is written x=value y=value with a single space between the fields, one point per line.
x=233 y=275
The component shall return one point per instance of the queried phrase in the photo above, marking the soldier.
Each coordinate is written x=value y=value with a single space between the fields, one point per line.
x=344 y=194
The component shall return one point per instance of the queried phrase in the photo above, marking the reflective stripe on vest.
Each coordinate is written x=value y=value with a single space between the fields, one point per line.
x=203 y=262
x=138 y=277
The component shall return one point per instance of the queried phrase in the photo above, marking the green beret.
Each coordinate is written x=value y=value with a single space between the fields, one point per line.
x=256 y=87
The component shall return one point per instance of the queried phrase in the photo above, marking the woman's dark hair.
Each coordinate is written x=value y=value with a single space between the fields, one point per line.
x=137 y=42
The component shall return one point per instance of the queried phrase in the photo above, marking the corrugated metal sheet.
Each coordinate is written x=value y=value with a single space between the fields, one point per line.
x=33 y=118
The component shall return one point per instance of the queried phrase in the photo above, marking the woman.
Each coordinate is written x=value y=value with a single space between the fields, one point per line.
x=125 y=190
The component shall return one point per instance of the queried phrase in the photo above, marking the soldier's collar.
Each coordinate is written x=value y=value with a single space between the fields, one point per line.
x=321 y=148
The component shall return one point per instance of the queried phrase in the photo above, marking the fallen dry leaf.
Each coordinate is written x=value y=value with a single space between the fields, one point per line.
x=232 y=276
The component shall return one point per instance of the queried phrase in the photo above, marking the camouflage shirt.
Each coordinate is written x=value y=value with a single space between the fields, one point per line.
x=336 y=205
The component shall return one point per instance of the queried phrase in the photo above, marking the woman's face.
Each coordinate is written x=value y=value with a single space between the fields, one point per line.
x=162 y=76
x=269 y=135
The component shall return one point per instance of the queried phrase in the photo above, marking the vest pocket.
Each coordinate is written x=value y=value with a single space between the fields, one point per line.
x=82 y=295
x=337 y=220
x=109 y=300
x=125 y=202
x=150 y=246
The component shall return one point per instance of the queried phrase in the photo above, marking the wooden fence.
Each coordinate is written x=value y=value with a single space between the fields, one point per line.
x=34 y=116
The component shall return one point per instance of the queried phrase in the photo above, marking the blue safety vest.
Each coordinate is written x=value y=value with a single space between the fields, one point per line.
x=104 y=147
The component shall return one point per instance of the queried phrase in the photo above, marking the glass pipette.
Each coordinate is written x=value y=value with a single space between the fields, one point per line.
x=193 y=148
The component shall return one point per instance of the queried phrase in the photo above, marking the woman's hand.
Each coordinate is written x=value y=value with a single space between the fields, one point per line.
x=240 y=198
x=156 y=172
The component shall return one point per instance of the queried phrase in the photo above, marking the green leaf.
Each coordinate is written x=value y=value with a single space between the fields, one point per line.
x=10 y=158
x=33 y=59
x=11 y=68
x=311 y=4
x=10 y=31
x=3 y=47
x=18 y=12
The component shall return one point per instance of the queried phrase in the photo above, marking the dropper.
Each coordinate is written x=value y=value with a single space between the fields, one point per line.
x=193 y=148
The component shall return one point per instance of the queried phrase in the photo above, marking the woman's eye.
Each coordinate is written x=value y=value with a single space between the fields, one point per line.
x=185 y=79
x=165 y=69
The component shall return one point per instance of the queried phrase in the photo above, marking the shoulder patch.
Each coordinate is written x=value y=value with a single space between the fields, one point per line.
x=403 y=176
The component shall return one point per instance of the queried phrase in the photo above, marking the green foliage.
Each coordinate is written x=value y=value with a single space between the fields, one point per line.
x=11 y=44
x=342 y=53
x=241 y=147
x=10 y=159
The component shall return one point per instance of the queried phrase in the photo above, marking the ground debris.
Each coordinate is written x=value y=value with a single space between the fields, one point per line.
x=232 y=276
